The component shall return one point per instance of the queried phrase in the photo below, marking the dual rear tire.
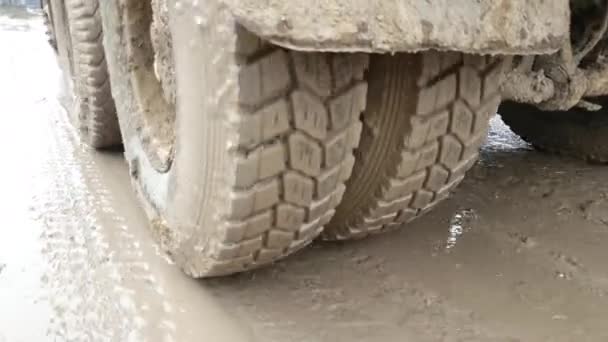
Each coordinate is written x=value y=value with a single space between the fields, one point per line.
x=253 y=159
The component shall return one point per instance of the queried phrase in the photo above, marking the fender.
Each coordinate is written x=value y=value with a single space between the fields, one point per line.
x=472 y=26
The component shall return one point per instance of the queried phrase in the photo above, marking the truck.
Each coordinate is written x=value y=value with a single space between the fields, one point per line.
x=253 y=127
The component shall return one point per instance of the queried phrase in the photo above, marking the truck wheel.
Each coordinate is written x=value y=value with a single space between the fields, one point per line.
x=426 y=117
x=577 y=133
x=95 y=111
x=250 y=162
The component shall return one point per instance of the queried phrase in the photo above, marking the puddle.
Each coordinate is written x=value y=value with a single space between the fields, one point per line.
x=459 y=224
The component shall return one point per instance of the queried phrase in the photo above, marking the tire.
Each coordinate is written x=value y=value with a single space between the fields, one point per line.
x=426 y=118
x=47 y=18
x=95 y=116
x=260 y=146
x=576 y=133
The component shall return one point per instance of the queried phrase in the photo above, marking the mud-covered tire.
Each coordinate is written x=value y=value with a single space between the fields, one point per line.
x=576 y=133
x=426 y=117
x=95 y=116
x=47 y=19
x=263 y=138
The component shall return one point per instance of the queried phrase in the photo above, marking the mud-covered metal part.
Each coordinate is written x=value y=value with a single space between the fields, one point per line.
x=569 y=81
x=597 y=79
x=483 y=26
x=523 y=84
x=562 y=80
x=594 y=37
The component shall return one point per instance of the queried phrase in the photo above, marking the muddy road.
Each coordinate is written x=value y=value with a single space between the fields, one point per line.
x=518 y=253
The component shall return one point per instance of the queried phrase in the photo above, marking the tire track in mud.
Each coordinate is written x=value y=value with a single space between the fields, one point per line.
x=77 y=262
x=95 y=267
x=343 y=292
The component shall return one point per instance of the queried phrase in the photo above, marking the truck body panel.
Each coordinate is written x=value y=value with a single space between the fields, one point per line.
x=482 y=26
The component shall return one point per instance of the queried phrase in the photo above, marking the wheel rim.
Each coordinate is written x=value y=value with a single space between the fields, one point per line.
x=154 y=119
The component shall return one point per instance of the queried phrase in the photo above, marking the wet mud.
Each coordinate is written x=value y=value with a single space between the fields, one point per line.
x=516 y=254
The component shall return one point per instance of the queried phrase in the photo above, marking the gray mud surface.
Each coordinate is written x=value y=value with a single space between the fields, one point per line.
x=518 y=253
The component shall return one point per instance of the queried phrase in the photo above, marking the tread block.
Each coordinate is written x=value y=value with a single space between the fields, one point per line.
x=252 y=227
x=337 y=196
x=312 y=229
x=348 y=68
x=266 y=255
x=318 y=208
x=336 y=149
x=402 y=187
x=326 y=182
x=427 y=98
x=348 y=106
x=264 y=162
x=242 y=249
x=298 y=189
x=431 y=69
x=313 y=70
x=354 y=134
x=462 y=121
x=418 y=133
x=450 y=59
x=447 y=91
x=470 y=86
x=310 y=114
x=289 y=217
x=231 y=265
x=305 y=154
x=347 y=167
x=450 y=151
x=266 y=124
x=279 y=239
x=384 y=208
x=422 y=198
x=428 y=156
x=408 y=163
x=438 y=125
x=492 y=79
x=483 y=114
x=437 y=178
x=264 y=79
x=259 y=224
x=406 y=215
x=249 y=247
x=260 y=197
x=437 y=96
x=380 y=220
